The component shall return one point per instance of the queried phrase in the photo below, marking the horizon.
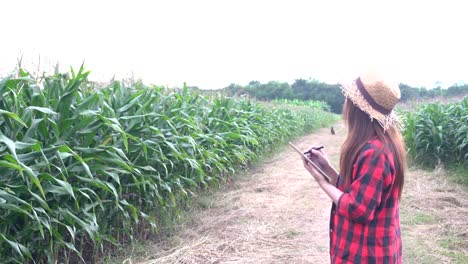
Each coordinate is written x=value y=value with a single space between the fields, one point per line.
x=212 y=44
x=51 y=69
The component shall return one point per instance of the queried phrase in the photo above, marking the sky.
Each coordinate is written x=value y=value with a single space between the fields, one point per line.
x=211 y=44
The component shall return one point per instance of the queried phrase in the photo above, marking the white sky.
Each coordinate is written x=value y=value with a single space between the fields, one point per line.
x=211 y=44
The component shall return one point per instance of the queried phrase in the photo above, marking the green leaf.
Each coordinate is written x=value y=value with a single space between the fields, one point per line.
x=66 y=149
x=14 y=116
x=32 y=176
x=10 y=165
x=17 y=247
x=42 y=110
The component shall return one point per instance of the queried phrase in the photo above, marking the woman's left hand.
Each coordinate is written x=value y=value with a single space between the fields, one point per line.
x=315 y=173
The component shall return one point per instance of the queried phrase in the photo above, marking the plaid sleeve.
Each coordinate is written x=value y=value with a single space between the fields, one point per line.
x=360 y=200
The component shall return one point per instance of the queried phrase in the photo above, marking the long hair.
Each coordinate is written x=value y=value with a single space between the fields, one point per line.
x=360 y=130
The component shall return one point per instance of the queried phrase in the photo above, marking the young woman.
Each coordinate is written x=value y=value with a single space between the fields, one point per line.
x=364 y=221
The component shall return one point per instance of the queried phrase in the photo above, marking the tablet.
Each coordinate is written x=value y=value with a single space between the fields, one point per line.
x=311 y=162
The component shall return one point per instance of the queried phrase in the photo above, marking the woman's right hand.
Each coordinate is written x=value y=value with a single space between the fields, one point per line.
x=320 y=158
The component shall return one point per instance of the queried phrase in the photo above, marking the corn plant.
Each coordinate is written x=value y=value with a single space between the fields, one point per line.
x=82 y=169
x=438 y=133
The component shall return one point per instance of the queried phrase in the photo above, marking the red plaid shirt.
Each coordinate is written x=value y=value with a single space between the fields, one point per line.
x=365 y=223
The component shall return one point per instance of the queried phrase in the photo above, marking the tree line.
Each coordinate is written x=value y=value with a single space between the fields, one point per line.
x=303 y=89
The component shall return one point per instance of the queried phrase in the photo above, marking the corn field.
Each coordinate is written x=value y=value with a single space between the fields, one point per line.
x=437 y=133
x=84 y=169
x=307 y=103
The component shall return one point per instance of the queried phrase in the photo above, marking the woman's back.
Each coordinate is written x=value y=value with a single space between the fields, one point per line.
x=364 y=224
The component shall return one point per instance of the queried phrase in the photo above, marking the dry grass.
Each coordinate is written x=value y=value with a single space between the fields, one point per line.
x=434 y=215
x=257 y=223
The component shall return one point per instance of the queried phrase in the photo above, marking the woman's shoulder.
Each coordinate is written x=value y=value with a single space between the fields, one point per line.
x=375 y=148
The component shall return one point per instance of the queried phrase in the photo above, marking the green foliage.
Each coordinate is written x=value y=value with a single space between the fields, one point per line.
x=409 y=93
x=438 y=133
x=302 y=90
x=270 y=90
x=84 y=168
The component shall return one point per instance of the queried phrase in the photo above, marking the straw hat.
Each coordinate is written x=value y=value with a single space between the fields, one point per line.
x=375 y=95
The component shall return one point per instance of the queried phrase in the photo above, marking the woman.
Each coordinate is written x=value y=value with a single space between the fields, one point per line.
x=364 y=222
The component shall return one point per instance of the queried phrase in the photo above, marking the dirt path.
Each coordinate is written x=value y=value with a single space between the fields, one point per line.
x=278 y=214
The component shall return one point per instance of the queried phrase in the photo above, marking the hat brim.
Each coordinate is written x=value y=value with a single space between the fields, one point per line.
x=351 y=91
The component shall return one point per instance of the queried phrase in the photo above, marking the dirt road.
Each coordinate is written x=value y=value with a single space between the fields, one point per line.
x=277 y=214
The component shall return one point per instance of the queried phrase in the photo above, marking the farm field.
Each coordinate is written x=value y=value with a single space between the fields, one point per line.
x=437 y=134
x=173 y=176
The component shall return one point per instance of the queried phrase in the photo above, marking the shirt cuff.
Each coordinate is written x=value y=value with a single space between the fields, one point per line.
x=345 y=207
x=342 y=206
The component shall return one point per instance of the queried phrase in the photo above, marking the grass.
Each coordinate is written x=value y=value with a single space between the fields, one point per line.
x=292 y=234
x=458 y=174
x=451 y=248
x=417 y=218
x=433 y=218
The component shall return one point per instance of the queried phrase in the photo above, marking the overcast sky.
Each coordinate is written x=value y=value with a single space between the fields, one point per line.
x=211 y=44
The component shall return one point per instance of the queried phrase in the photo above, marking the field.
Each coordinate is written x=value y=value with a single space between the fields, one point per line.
x=85 y=170
x=437 y=134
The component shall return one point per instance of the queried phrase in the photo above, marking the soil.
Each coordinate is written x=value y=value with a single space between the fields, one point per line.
x=278 y=214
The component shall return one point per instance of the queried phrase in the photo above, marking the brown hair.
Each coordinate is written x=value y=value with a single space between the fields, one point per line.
x=360 y=130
